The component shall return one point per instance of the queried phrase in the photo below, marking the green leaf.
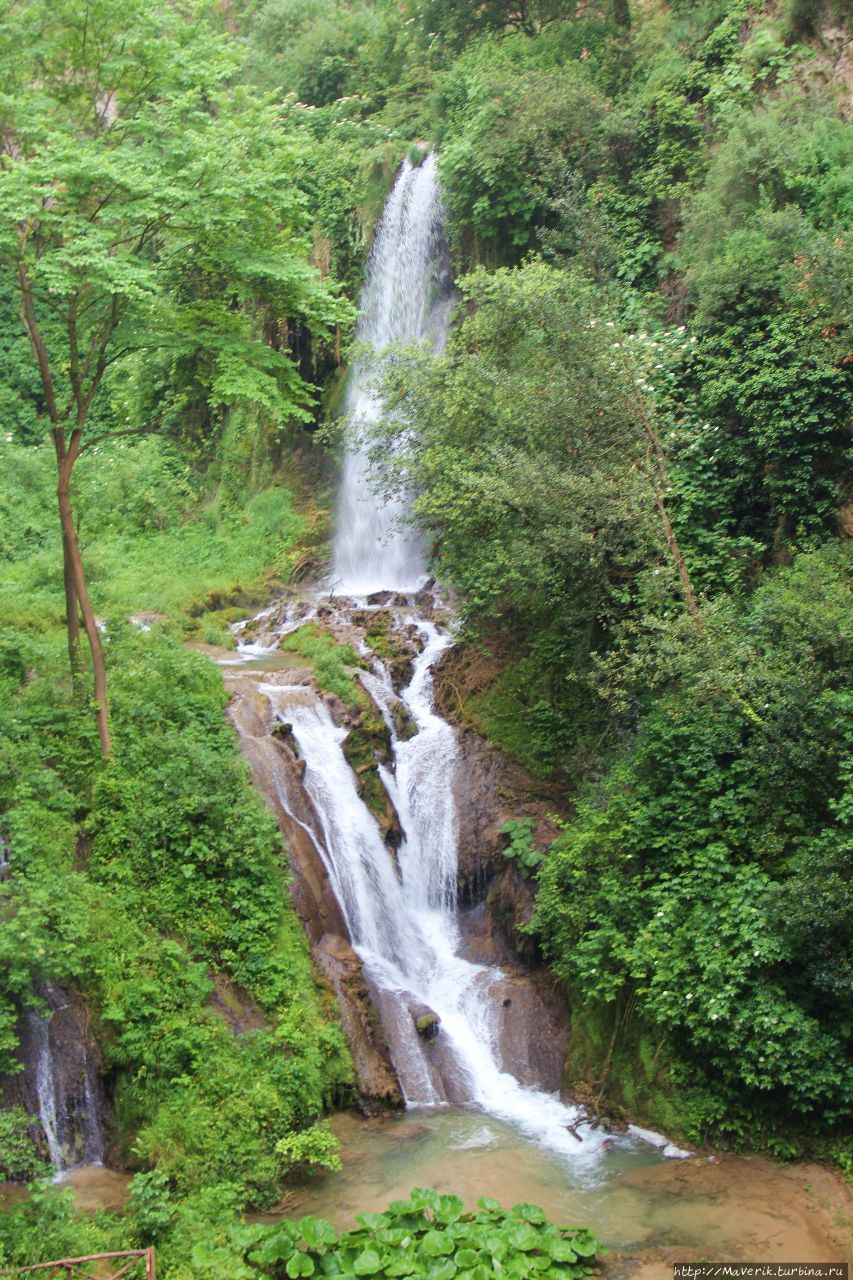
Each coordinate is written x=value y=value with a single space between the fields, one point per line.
x=488 y=1205
x=436 y=1243
x=371 y=1220
x=530 y=1213
x=523 y=1237
x=316 y=1232
x=368 y=1263
x=300 y=1265
x=467 y=1257
x=424 y=1198
x=449 y=1208
x=444 y=1271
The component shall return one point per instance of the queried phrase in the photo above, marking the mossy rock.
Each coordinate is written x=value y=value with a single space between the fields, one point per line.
x=403 y=720
x=428 y=1025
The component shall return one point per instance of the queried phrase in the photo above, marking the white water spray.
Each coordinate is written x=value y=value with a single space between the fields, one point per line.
x=404 y=300
x=64 y=1080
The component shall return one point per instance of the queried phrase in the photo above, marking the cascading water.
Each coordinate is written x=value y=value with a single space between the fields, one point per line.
x=405 y=299
x=403 y=920
x=61 y=1079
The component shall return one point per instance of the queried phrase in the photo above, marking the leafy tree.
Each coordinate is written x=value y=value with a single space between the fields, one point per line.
x=677 y=880
x=143 y=208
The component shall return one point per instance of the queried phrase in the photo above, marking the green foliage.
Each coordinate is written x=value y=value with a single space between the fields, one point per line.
x=505 y=128
x=151 y=249
x=316 y=1146
x=677 y=877
x=520 y=848
x=427 y=1235
x=523 y=448
x=19 y=1159
x=152 y=541
x=332 y=663
x=45 y=1225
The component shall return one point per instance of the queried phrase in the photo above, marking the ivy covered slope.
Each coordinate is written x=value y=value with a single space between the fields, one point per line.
x=156 y=886
x=633 y=462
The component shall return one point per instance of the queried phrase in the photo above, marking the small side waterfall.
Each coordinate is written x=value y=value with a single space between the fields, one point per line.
x=60 y=1084
x=402 y=919
x=405 y=299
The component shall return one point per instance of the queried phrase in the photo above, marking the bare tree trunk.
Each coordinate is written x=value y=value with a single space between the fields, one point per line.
x=72 y=619
x=67 y=452
x=675 y=550
x=71 y=544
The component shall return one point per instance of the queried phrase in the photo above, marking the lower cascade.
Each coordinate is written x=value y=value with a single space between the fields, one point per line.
x=440 y=1011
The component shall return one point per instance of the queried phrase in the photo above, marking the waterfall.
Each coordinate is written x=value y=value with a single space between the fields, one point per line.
x=404 y=300
x=402 y=919
x=60 y=1078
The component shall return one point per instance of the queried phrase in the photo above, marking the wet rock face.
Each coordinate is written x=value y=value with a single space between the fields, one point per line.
x=60 y=1084
x=532 y=1011
x=377 y=1083
x=277 y=772
x=510 y=901
x=490 y=791
x=489 y=788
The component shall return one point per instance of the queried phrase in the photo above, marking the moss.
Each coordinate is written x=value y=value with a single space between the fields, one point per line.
x=366 y=744
x=427 y=1026
x=331 y=662
x=635 y=1079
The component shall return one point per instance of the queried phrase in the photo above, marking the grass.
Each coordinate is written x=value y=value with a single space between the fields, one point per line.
x=198 y=559
x=332 y=663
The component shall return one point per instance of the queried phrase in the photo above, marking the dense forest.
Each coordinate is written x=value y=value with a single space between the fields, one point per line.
x=631 y=461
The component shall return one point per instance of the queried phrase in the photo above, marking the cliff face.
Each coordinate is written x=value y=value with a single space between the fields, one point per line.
x=59 y=1084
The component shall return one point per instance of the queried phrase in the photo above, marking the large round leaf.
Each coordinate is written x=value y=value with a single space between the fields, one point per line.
x=562 y=1250
x=401 y=1264
x=467 y=1257
x=445 y=1270
x=449 y=1209
x=316 y=1232
x=523 y=1237
x=584 y=1244
x=530 y=1213
x=371 y=1220
x=488 y=1205
x=424 y=1198
x=299 y=1264
x=436 y=1243
x=368 y=1263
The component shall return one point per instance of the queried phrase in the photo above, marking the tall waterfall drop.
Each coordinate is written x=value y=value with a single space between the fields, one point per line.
x=400 y=909
x=405 y=299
